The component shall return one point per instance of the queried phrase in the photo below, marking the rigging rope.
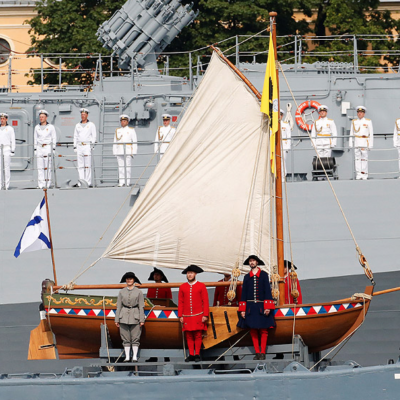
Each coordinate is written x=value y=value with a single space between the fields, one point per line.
x=361 y=258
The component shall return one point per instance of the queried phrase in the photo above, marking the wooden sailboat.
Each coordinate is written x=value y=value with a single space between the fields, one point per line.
x=211 y=201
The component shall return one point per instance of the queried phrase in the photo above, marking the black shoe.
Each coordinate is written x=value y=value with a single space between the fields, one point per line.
x=189 y=359
x=197 y=358
x=126 y=360
x=257 y=356
x=152 y=359
x=134 y=361
x=279 y=356
x=261 y=356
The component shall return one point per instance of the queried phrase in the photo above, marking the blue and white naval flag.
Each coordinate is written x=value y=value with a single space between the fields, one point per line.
x=36 y=233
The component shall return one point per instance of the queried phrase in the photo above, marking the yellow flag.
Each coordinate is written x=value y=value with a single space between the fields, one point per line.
x=269 y=100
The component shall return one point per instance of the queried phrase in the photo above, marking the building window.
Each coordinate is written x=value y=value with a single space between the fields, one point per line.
x=5 y=50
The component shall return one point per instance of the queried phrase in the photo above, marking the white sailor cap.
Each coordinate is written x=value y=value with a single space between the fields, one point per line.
x=361 y=108
x=85 y=110
x=323 y=107
x=43 y=112
x=5 y=115
x=166 y=116
x=282 y=112
x=124 y=116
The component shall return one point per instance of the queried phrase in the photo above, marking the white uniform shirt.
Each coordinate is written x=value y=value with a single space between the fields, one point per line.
x=164 y=134
x=7 y=138
x=85 y=133
x=361 y=133
x=286 y=134
x=125 y=135
x=396 y=133
x=324 y=133
x=44 y=136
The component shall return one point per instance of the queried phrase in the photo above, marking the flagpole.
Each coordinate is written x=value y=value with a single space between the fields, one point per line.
x=51 y=240
x=278 y=179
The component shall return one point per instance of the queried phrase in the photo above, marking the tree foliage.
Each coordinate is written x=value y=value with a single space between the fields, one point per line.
x=69 y=26
x=356 y=17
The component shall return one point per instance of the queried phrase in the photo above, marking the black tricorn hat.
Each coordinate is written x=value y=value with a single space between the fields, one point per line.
x=289 y=265
x=130 y=275
x=259 y=261
x=158 y=271
x=192 y=268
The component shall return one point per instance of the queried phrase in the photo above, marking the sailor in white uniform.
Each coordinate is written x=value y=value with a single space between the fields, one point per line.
x=324 y=133
x=84 y=139
x=125 y=148
x=362 y=139
x=44 y=141
x=164 y=135
x=396 y=137
x=286 y=132
x=7 y=149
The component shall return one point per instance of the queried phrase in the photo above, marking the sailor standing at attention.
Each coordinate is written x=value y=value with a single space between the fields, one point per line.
x=84 y=139
x=193 y=311
x=44 y=143
x=256 y=306
x=396 y=137
x=324 y=133
x=362 y=139
x=164 y=135
x=125 y=148
x=129 y=317
x=7 y=149
x=159 y=292
x=286 y=141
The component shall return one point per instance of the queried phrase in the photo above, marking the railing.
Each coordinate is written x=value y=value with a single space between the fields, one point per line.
x=352 y=53
x=383 y=163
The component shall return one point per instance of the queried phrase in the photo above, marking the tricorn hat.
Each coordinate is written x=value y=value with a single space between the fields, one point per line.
x=288 y=264
x=192 y=268
x=158 y=271
x=259 y=261
x=130 y=275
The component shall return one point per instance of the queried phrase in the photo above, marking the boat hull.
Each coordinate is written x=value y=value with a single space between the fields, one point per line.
x=76 y=322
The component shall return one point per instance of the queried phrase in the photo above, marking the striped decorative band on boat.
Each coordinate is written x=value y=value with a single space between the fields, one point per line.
x=314 y=310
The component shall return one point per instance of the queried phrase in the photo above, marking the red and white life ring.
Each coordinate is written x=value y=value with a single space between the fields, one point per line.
x=301 y=108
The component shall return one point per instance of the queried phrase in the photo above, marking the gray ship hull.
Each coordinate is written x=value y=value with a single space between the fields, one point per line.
x=296 y=382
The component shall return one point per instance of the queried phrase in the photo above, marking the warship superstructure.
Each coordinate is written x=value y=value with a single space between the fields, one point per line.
x=80 y=216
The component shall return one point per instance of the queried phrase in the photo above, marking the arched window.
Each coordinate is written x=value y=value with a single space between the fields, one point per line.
x=5 y=50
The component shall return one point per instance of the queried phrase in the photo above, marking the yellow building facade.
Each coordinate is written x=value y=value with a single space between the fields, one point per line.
x=14 y=43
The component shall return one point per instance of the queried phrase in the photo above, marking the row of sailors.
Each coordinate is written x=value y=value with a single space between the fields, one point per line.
x=324 y=136
x=255 y=305
x=85 y=136
x=323 y=133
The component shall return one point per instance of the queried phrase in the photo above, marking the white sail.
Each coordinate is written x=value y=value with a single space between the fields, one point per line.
x=208 y=201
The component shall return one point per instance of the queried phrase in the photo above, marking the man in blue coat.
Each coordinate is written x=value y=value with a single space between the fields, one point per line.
x=256 y=306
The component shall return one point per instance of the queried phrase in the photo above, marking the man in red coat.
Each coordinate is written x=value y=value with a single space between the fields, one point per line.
x=159 y=293
x=221 y=292
x=289 y=299
x=193 y=311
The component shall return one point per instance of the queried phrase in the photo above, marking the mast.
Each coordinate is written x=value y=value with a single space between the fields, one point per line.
x=51 y=240
x=278 y=179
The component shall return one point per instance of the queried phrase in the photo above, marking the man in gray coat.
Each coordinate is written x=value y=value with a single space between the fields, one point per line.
x=129 y=317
